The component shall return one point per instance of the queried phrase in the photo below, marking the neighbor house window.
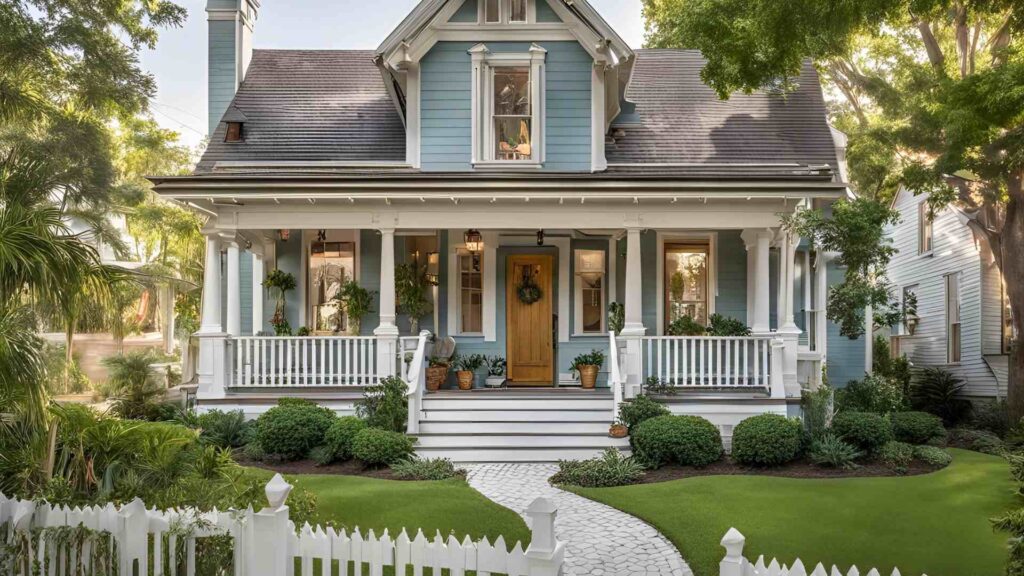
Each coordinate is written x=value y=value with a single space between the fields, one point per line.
x=507 y=107
x=924 y=229
x=471 y=293
x=518 y=13
x=492 y=11
x=908 y=305
x=1008 y=331
x=590 y=292
x=331 y=264
x=686 y=282
x=953 y=318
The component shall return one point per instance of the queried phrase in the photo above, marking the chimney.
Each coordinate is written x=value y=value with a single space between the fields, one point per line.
x=230 y=49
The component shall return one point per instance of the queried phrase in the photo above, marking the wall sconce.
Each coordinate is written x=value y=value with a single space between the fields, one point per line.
x=433 y=267
x=284 y=234
x=540 y=237
x=474 y=240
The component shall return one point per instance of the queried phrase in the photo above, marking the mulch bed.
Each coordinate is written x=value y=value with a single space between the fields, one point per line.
x=350 y=468
x=797 y=469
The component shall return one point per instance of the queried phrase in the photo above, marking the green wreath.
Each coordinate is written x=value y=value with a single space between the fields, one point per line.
x=528 y=291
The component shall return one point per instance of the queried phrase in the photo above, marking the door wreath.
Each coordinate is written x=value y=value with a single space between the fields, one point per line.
x=528 y=291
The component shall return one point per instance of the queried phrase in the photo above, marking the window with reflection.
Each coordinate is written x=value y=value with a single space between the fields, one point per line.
x=512 y=113
x=686 y=282
x=471 y=293
x=331 y=264
x=518 y=14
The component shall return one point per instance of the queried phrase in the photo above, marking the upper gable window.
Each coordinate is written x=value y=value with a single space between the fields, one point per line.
x=505 y=11
x=518 y=12
x=508 y=104
x=492 y=11
x=512 y=113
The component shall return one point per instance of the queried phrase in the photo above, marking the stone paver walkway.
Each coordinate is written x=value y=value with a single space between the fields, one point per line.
x=599 y=540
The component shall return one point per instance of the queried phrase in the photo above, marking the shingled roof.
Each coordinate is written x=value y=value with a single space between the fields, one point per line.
x=312 y=105
x=332 y=106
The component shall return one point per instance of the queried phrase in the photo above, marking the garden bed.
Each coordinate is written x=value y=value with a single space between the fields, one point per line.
x=798 y=469
x=348 y=468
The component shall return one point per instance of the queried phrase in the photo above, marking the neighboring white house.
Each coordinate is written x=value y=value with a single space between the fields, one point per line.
x=961 y=322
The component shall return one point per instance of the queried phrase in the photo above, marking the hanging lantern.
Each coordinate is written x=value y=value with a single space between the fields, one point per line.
x=474 y=240
x=540 y=237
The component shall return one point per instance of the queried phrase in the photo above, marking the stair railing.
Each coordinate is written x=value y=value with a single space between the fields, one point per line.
x=415 y=379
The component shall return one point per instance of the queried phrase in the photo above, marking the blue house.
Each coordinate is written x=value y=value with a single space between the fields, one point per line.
x=528 y=171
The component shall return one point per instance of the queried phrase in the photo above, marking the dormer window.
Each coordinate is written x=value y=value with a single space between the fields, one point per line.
x=234 y=119
x=508 y=108
x=518 y=13
x=492 y=11
x=234 y=132
x=505 y=11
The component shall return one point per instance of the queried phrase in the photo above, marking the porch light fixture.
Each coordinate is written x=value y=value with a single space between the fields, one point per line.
x=474 y=240
x=540 y=237
x=284 y=234
x=433 y=267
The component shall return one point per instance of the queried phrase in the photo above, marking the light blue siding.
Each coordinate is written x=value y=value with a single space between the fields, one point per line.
x=245 y=286
x=732 y=275
x=545 y=13
x=289 y=259
x=368 y=262
x=466 y=13
x=446 y=122
x=221 y=68
x=845 y=356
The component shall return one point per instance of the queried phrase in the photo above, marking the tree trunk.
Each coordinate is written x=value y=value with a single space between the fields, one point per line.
x=1013 y=277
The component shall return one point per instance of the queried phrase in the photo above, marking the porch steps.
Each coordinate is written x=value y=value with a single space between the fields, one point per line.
x=516 y=426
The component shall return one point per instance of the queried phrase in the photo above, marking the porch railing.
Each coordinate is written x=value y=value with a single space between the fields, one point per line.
x=305 y=361
x=709 y=361
x=616 y=376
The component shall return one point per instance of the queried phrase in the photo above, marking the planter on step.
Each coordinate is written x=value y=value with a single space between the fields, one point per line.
x=588 y=375
x=618 y=431
x=465 y=378
x=436 y=375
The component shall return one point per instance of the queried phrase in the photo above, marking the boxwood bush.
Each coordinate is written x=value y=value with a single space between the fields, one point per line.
x=686 y=440
x=292 y=428
x=379 y=447
x=337 y=445
x=639 y=409
x=896 y=455
x=916 y=427
x=766 y=440
x=932 y=456
x=865 y=430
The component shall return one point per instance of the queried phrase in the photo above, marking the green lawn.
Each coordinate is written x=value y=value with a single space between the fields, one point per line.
x=450 y=506
x=935 y=523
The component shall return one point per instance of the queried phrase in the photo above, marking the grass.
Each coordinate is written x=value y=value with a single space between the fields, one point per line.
x=936 y=524
x=448 y=506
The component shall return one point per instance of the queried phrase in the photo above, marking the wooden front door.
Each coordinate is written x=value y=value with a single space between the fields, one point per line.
x=529 y=326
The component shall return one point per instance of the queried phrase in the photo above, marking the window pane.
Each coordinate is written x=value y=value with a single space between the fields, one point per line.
x=593 y=301
x=512 y=91
x=686 y=282
x=493 y=11
x=331 y=264
x=518 y=11
x=471 y=295
x=512 y=136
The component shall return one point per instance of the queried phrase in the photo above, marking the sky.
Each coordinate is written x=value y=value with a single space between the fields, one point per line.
x=179 y=60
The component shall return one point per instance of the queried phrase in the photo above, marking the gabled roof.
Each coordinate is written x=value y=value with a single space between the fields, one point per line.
x=311 y=105
x=679 y=119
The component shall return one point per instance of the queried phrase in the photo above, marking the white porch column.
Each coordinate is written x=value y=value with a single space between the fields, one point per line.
x=633 y=329
x=387 y=330
x=257 y=293
x=759 y=241
x=212 y=366
x=234 y=288
x=821 y=303
x=788 y=330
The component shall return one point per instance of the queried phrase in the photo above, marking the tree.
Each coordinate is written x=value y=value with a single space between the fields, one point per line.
x=930 y=91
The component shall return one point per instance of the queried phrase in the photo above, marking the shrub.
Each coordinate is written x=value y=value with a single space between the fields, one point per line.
x=385 y=405
x=426 y=469
x=916 y=427
x=611 y=468
x=932 y=456
x=993 y=416
x=895 y=369
x=292 y=428
x=938 y=392
x=686 y=440
x=818 y=409
x=896 y=455
x=719 y=325
x=378 y=447
x=865 y=430
x=338 y=438
x=872 y=394
x=977 y=440
x=766 y=440
x=135 y=388
x=253 y=451
x=639 y=409
x=832 y=451
x=224 y=429
x=685 y=326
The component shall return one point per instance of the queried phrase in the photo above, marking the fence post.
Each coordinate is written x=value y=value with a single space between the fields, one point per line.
x=732 y=564
x=545 y=554
x=776 y=374
x=266 y=554
x=132 y=536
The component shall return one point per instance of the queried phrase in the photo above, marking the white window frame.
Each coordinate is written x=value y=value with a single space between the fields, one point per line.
x=953 y=354
x=711 y=238
x=505 y=14
x=484 y=63
x=460 y=253
x=578 y=294
x=924 y=223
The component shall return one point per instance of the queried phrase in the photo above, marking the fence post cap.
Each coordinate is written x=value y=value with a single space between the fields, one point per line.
x=733 y=542
x=277 y=491
x=542 y=505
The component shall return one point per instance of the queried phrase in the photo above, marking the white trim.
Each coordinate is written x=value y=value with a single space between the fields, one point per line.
x=412 y=113
x=613 y=264
x=577 y=316
x=307 y=164
x=490 y=307
x=488 y=260
x=598 y=161
x=670 y=237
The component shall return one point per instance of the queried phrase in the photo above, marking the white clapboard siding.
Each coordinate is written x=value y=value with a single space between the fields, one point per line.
x=735 y=564
x=954 y=250
x=266 y=543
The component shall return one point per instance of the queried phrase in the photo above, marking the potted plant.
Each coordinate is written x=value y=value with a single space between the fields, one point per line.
x=411 y=290
x=616 y=317
x=618 y=430
x=356 y=302
x=495 y=371
x=465 y=369
x=586 y=367
x=282 y=282
x=437 y=372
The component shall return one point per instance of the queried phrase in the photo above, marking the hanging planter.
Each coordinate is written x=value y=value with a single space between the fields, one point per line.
x=528 y=291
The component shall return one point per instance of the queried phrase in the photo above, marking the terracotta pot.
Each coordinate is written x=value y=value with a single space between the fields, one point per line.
x=465 y=378
x=588 y=375
x=436 y=375
x=618 y=431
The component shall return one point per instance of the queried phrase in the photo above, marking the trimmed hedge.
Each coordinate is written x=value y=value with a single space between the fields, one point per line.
x=292 y=428
x=933 y=456
x=916 y=427
x=685 y=440
x=865 y=430
x=896 y=455
x=379 y=447
x=338 y=439
x=639 y=409
x=766 y=440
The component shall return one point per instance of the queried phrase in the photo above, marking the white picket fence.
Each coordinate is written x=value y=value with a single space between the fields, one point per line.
x=735 y=564
x=265 y=543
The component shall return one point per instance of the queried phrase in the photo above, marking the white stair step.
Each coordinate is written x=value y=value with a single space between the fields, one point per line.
x=471 y=455
x=518 y=441
x=512 y=403
x=513 y=427
x=604 y=415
